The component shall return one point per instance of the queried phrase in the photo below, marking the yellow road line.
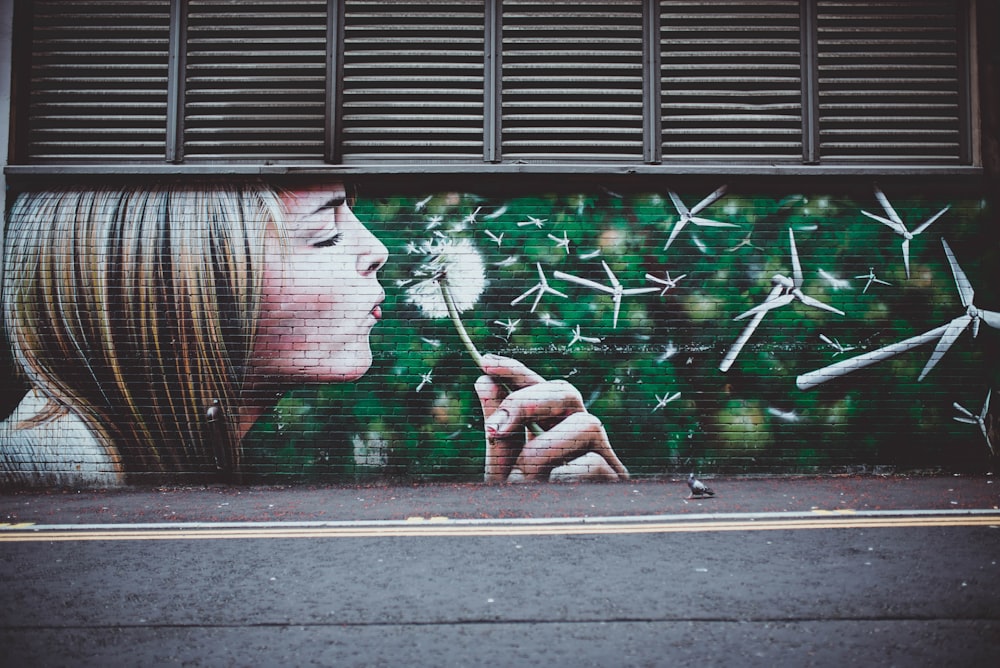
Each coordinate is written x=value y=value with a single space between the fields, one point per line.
x=441 y=528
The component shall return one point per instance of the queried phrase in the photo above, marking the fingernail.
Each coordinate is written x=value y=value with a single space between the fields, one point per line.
x=497 y=423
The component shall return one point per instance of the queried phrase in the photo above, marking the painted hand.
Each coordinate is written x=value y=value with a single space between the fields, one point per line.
x=573 y=445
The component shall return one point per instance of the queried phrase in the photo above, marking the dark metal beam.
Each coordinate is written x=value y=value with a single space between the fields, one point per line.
x=176 y=67
x=493 y=82
x=809 y=32
x=334 y=81
x=652 y=145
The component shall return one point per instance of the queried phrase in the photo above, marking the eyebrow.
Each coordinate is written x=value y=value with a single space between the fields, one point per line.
x=332 y=203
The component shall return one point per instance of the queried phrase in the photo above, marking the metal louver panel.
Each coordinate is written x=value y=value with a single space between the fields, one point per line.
x=256 y=80
x=572 y=80
x=413 y=81
x=731 y=79
x=889 y=87
x=98 y=80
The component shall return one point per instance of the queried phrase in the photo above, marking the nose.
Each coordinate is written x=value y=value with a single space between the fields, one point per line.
x=372 y=253
x=376 y=255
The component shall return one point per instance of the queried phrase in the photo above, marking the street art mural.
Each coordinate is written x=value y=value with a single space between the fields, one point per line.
x=641 y=334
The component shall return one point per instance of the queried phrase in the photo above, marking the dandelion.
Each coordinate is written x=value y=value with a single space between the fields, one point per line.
x=453 y=279
x=453 y=270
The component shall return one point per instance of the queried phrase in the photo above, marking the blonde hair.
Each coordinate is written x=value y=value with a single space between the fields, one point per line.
x=137 y=309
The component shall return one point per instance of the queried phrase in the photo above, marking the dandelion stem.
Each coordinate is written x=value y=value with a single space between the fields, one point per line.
x=463 y=334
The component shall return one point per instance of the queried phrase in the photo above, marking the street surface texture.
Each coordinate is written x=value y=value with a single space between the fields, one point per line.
x=796 y=571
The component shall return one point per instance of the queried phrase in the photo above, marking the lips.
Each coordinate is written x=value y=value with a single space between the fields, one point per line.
x=377 y=312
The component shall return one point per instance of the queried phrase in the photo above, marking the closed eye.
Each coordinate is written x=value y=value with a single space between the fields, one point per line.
x=331 y=240
x=332 y=203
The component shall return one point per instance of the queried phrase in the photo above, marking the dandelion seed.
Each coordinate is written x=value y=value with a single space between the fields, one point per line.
x=540 y=288
x=834 y=343
x=669 y=352
x=577 y=337
x=495 y=238
x=699 y=244
x=549 y=321
x=471 y=218
x=834 y=281
x=425 y=379
x=496 y=214
x=434 y=221
x=664 y=400
x=507 y=261
x=667 y=283
x=744 y=242
x=591 y=255
x=434 y=343
x=616 y=289
x=871 y=279
x=419 y=206
x=510 y=326
x=537 y=222
x=787 y=416
x=561 y=243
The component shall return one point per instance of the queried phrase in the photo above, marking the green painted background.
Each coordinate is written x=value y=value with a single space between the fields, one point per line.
x=751 y=419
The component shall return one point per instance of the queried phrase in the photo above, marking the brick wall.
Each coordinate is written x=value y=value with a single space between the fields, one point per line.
x=663 y=371
x=655 y=378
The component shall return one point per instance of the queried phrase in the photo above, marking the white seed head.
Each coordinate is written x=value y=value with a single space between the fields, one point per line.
x=456 y=264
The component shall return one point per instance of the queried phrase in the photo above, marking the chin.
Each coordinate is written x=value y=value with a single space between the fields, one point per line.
x=354 y=368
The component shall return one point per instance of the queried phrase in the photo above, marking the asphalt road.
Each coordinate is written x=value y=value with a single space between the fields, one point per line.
x=827 y=587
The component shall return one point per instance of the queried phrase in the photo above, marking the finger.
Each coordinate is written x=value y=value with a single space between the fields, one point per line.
x=577 y=435
x=490 y=394
x=541 y=402
x=510 y=372
x=501 y=453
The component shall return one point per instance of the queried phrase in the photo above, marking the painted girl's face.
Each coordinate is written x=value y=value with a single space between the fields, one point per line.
x=321 y=295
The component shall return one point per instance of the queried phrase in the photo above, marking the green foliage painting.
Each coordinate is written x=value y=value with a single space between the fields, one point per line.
x=637 y=300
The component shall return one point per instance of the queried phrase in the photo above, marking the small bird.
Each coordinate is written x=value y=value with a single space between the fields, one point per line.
x=698 y=488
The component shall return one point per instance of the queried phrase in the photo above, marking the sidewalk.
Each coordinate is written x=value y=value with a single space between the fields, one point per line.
x=294 y=503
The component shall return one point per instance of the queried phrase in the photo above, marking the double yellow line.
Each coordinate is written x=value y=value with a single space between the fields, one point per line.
x=442 y=527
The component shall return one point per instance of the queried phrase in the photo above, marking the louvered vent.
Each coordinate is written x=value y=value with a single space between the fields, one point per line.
x=256 y=79
x=98 y=81
x=572 y=80
x=413 y=81
x=889 y=85
x=731 y=80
